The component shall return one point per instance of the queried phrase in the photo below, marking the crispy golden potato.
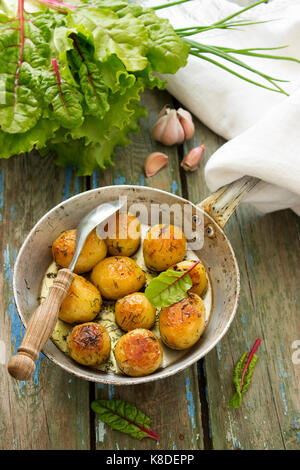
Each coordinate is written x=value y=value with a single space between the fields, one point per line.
x=197 y=274
x=182 y=323
x=93 y=251
x=82 y=303
x=135 y=311
x=117 y=276
x=125 y=237
x=163 y=246
x=138 y=353
x=89 y=344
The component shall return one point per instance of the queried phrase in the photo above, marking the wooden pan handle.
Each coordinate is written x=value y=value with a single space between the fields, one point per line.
x=40 y=327
x=221 y=204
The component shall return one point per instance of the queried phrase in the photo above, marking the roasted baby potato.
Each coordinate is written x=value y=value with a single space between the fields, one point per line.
x=94 y=250
x=182 y=323
x=89 y=344
x=138 y=353
x=163 y=246
x=117 y=276
x=134 y=311
x=82 y=303
x=197 y=274
x=125 y=237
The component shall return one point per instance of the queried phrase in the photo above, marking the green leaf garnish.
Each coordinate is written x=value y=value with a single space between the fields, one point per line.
x=169 y=287
x=124 y=417
x=72 y=74
x=242 y=375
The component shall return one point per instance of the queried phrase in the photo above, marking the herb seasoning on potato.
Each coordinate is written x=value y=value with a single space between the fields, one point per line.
x=107 y=301
x=125 y=237
x=182 y=324
x=82 y=303
x=117 y=276
x=164 y=245
x=197 y=274
x=89 y=344
x=93 y=251
x=135 y=311
x=138 y=352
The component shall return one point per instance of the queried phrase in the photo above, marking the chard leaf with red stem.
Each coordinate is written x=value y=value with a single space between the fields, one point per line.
x=24 y=53
x=169 y=287
x=242 y=374
x=124 y=417
x=72 y=74
x=62 y=99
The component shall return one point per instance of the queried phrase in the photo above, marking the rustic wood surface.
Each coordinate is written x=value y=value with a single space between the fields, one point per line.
x=189 y=410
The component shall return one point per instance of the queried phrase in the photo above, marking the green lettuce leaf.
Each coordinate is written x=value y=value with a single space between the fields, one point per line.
x=95 y=156
x=71 y=81
x=236 y=399
x=119 y=114
x=167 y=52
x=168 y=288
x=124 y=417
x=35 y=138
x=113 y=5
x=126 y=37
x=151 y=80
x=115 y=75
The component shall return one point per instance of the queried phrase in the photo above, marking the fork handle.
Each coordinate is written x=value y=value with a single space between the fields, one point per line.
x=40 y=327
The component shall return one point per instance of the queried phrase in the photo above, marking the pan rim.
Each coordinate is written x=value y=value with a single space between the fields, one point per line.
x=126 y=380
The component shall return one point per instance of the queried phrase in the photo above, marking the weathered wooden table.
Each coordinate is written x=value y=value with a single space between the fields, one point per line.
x=189 y=410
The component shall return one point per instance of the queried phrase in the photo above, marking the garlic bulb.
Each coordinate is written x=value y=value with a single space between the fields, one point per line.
x=193 y=158
x=173 y=127
x=168 y=129
x=155 y=162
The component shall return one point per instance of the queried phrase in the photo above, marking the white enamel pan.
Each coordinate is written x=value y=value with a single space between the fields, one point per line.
x=216 y=253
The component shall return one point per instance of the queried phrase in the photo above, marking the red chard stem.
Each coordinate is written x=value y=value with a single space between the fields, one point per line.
x=150 y=433
x=57 y=5
x=55 y=67
x=251 y=354
x=21 y=22
x=56 y=71
x=180 y=277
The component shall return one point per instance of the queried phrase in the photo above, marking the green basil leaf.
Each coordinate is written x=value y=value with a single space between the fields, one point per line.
x=168 y=288
x=124 y=417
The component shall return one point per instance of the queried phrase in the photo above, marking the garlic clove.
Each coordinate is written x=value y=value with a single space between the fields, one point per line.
x=154 y=163
x=186 y=121
x=192 y=159
x=185 y=114
x=159 y=128
x=168 y=129
x=165 y=110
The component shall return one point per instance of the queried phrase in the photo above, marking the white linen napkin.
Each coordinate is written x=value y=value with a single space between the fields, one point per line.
x=263 y=126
